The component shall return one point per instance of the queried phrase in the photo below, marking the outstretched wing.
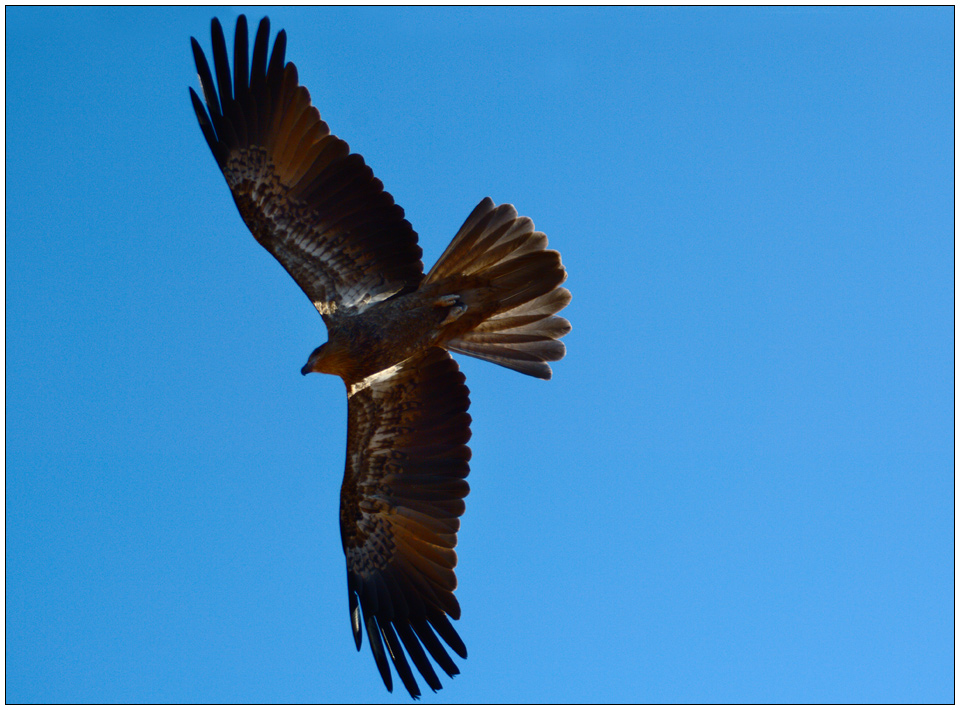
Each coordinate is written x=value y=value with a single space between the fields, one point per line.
x=402 y=495
x=318 y=209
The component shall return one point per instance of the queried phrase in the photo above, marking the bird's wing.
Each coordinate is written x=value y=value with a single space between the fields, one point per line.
x=318 y=209
x=402 y=495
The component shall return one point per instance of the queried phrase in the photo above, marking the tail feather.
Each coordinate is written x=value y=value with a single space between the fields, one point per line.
x=510 y=282
x=527 y=363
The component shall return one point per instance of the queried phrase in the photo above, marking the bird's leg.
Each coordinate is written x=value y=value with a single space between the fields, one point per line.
x=452 y=301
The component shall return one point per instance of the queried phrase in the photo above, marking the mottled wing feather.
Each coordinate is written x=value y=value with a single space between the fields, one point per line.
x=318 y=209
x=402 y=495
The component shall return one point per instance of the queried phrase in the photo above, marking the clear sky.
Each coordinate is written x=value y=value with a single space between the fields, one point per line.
x=739 y=485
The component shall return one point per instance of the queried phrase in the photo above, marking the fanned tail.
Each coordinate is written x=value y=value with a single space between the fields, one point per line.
x=501 y=270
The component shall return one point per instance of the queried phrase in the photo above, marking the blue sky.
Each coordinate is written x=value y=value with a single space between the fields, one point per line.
x=738 y=487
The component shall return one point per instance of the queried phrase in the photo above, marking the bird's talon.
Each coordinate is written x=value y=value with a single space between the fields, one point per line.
x=454 y=313
x=447 y=301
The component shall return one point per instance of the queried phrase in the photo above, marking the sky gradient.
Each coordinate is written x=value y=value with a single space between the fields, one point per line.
x=738 y=486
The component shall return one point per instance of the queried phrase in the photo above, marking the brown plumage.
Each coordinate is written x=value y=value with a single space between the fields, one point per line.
x=493 y=294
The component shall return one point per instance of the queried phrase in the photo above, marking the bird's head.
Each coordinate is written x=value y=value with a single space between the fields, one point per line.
x=328 y=358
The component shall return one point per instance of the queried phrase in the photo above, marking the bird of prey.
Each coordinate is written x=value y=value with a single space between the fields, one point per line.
x=493 y=294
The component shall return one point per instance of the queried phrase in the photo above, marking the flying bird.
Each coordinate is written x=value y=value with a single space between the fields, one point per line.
x=493 y=294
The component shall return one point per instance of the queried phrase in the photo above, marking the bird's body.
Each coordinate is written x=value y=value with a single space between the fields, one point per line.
x=362 y=344
x=493 y=294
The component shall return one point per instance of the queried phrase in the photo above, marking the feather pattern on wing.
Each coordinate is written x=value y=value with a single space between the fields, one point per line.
x=317 y=208
x=400 y=503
